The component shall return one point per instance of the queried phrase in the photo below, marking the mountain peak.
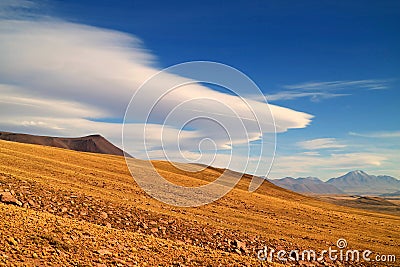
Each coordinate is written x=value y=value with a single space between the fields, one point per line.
x=359 y=182
x=357 y=172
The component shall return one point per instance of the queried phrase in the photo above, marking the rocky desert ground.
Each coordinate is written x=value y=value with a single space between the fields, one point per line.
x=66 y=208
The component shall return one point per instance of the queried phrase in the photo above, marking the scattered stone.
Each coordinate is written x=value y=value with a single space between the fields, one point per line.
x=103 y=252
x=144 y=226
x=61 y=253
x=12 y=241
x=8 y=198
x=120 y=261
x=180 y=242
x=163 y=221
x=240 y=245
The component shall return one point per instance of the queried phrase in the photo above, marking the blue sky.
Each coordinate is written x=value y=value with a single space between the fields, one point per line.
x=337 y=61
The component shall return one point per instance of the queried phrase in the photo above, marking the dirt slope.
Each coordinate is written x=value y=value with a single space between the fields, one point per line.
x=96 y=213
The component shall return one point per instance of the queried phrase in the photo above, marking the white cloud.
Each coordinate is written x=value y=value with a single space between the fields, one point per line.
x=311 y=153
x=372 y=84
x=317 y=91
x=385 y=134
x=321 y=143
x=17 y=8
x=314 y=96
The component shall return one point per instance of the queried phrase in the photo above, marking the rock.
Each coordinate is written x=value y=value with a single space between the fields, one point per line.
x=120 y=261
x=8 y=198
x=144 y=225
x=31 y=203
x=34 y=255
x=61 y=253
x=163 y=221
x=108 y=225
x=12 y=241
x=103 y=215
x=64 y=209
x=154 y=230
x=240 y=245
x=180 y=242
x=103 y=252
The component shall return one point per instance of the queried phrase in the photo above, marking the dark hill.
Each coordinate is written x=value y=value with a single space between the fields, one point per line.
x=91 y=143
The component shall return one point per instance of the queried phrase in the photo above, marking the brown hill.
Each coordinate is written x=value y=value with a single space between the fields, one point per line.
x=372 y=203
x=90 y=212
x=92 y=143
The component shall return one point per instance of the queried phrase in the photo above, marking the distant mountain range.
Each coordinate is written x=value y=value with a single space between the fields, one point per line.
x=91 y=143
x=307 y=185
x=353 y=183
x=359 y=182
x=394 y=194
